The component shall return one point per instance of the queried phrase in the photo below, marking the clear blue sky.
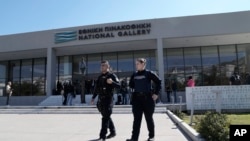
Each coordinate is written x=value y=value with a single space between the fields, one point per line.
x=17 y=16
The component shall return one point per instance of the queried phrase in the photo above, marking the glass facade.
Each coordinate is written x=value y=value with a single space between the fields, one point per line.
x=228 y=62
x=39 y=76
x=192 y=60
x=121 y=63
x=174 y=67
x=211 y=65
x=28 y=76
x=125 y=63
x=3 y=77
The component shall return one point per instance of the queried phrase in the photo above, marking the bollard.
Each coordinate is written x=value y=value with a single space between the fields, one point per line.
x=172 y=99
x=180 y=97
x=192 y=109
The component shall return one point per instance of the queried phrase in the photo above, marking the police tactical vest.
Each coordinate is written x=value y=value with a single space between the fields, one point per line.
x=142 y=82
x=103 y=86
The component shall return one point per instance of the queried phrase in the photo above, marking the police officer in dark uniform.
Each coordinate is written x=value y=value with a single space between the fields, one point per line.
x=105 y=85
x=143 y=98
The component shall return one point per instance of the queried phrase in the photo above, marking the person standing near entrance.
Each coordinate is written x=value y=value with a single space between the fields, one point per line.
x=169 y=91
x=124 y=92
x=71 y=94
x=105 y=85
x=174 y=90
x=83 y=68
x=9 y=92
x=235 y=79
x=143 y=98
x=65 y=92
x=191 y=82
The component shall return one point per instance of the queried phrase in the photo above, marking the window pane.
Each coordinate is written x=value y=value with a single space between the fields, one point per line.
x=125 y=64
x=39 y=67
x=244 y=61
x=3 y=69
x=93 y=64
x=228 y=62
x=152 y=60
x=26 y=71
x=65 y=66
x=2 y=87
x=26 y=87
x=16 y=87
x=192 y=60
x=210 y=61
x=15 y=69
x=39 y=77
x=26 y=77
x=175 y=63
x=174 y=68
x=112 y=58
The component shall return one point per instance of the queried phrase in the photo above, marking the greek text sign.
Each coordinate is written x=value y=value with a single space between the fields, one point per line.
x=231 y=97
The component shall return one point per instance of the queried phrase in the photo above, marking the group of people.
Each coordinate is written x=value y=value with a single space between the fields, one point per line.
x=67 y=89
x=172 y=88
x=123 y=96
x=236 y=79
x=143 y=99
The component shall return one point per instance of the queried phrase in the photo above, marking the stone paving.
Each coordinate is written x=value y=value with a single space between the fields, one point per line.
x=79 y=127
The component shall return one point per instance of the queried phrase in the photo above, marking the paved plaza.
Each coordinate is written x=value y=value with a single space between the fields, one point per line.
x=78 y=127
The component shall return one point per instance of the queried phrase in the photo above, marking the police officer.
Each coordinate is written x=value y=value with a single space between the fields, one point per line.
x=105 y=85
x=143 y=98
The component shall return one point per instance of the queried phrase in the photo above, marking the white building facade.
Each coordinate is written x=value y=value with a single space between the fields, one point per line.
x=208 y=47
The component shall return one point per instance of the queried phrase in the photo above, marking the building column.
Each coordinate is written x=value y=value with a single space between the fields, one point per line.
x=160 y=65
x=51 y=71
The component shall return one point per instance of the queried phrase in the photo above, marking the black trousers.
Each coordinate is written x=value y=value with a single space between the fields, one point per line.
x=143 y=104
x=105 y=106
x=65 y=95
x=8 y=99
x=168 y=96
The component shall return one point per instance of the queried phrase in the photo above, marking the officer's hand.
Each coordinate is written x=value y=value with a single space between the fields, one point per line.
x=109 y=81
x=92 y=102
x=155 y=97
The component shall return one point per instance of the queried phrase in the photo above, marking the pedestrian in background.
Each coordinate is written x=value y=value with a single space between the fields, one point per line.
x=124 y=92
x=191 y=82
x=169 y=91
x=247 y=80
x=71 y=94
x=65 y=92
x=59 y=88
x=174 y=90
x=235 y=79
x=9 y=92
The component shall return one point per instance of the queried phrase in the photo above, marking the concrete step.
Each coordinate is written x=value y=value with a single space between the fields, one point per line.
x=56 y=100
x=69 y=110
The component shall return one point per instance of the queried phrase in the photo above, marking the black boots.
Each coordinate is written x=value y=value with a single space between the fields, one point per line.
x=111 y=135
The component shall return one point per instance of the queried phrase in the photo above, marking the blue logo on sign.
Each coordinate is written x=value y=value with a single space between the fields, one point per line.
x=65 y=36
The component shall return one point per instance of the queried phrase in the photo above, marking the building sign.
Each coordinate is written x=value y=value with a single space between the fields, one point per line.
x=231 y=97
x=104 y=32
x=65 y=36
